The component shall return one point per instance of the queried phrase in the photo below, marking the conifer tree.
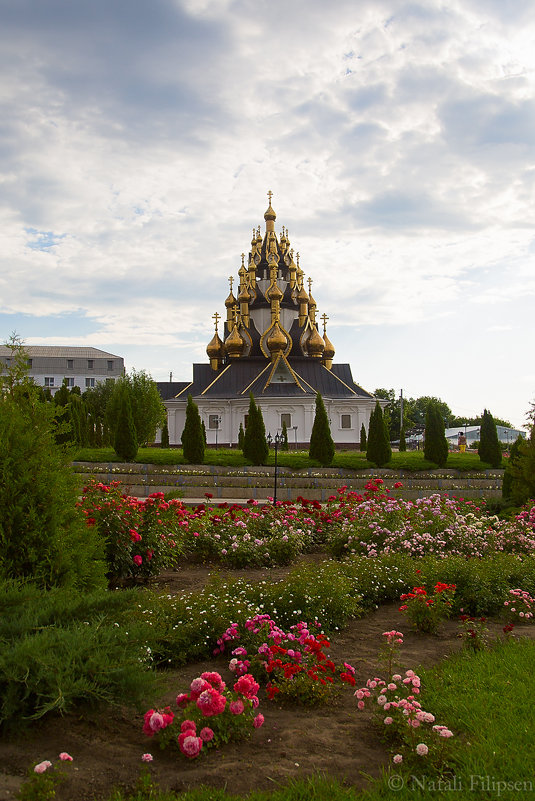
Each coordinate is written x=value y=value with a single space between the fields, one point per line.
x=363 y=441
x=436 y=444
x=284 y=446
x=378 y=451
x=241 y=434
x=321 y=446
x=204 y=439
x=512 y=473
x=165 y=435
x=125 y=441
x=255 y=447
x=192 y=435
x=402 y=441
x=489 y=447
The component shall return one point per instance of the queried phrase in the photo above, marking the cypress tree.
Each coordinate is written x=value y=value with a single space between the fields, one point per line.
x=509 y=487
x=165 y=435
x=192 y=435
x=255 y=447
x=125 y=441
x=436 y=444
x=241 y=435
x=204 y=433
x=321 y=446
x=402 y=442
x=378 y=451
x=489 y=446
x=284 y=446
x=363 y=441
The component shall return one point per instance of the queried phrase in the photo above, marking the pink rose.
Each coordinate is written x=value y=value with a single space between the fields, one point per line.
x=147 y=758
x=138 y=560
x=207 y=734
x=422 y=749
x=258 y=721
x=190 y=745
x=236 y=707
x=397 y=759
x=42 y=766
x=65 y=757
x=188 y=725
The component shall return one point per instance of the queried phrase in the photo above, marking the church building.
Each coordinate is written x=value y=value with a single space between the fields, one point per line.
x=274 y=344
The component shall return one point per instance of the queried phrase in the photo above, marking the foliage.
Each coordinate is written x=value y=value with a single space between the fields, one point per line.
x=42 y=535
x=43 y=780
x=436 y=444
x=425 y=611
x=125 y=438
x=363 y=441
x=241 y=435
x=284 y=434
x=255 y=447
x=164 y=441
x=148 y=411
x=402 y=441
x=519 y=485
x=489 y=448
x=192 y=435
x=378 y=451
x=142 y=537
x=220 y=714
x=321 y=442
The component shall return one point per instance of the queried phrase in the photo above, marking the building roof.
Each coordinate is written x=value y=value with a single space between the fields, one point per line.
x=240 y=378
x=60 y=351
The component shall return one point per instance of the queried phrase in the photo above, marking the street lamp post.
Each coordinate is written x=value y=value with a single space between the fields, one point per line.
x=295 y=434
x=276 y=442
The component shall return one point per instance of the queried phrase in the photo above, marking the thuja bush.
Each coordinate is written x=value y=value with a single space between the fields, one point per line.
x=43 y=537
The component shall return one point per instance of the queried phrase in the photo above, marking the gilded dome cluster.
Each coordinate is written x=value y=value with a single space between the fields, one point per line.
x=272 y=314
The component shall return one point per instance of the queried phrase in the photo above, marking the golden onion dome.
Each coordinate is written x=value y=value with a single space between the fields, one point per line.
x=230 y=301
x=315 y=344
x=311 y=302
x=329 y=351
x=302 y=296
x=215 y=347
x=269 y=213
x=274 y=293
x=244 y=296
x=277 y=340
x=234 y=343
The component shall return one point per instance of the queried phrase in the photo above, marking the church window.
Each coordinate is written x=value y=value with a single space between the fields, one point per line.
x=213 y=421
x=49 y=381
x=286 y=418
x=345 y=421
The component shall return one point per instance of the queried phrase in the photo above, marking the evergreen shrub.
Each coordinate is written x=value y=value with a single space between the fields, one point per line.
x=321 y=442
x=192 y=435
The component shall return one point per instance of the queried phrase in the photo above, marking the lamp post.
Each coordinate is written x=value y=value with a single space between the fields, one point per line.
x=276 y=442
x=217 y=422
x=295 y=434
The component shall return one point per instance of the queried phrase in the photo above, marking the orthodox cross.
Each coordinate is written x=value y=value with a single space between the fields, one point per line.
x=231 y=281
x=270 y=195
x=324 y=319
x=216 y=317
x=309 y=282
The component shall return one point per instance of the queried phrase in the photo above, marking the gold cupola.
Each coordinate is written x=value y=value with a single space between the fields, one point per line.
x=311 y=303
x=276 y=341
x=215 y=348
x=234 y=344
x=230 y=304
x=315 y=344
x=328 y=353
x=270 y=216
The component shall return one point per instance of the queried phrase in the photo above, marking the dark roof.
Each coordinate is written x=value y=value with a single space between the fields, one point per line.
x=241 y=377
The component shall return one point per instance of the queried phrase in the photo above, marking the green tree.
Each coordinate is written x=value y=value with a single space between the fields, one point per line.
x=402 y=442
x=489 y=447
x=165 y=435
x=255 y=447
x=192 y=435
x=520 y=472
x=241 y=435
x=43 y=536
x=378 y=451
x=436 y=444
x=513 y=485
x=321 y=446
x=363 y=440
x=125 y=441
x=148 y=411
x=284 y=446
x=204 y=433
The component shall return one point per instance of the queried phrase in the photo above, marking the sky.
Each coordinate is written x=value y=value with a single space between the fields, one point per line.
x=139 y=139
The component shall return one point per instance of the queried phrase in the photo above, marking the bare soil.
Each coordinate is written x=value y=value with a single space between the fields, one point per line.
x=293 y=741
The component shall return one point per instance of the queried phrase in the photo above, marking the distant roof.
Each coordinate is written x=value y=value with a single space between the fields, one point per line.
x=62 y=351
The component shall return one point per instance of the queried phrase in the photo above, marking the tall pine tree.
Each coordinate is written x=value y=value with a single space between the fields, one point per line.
x=321 y=446
x=378 y=451
x=489 y=447
x=192 y=435
x=436 y=444
x=255 y=447
x=363 y=439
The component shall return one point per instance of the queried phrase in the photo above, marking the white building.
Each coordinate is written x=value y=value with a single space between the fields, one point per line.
x=50 y=366
x=271 y=347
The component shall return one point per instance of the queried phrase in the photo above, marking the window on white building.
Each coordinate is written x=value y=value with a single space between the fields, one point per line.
x=70 y=364
x=90 y=364
x=49 y=381
x=286 y=418
x=68 y=381
x=89 y=383
x=214 y=421
x=345 y=421
x=110 y=364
